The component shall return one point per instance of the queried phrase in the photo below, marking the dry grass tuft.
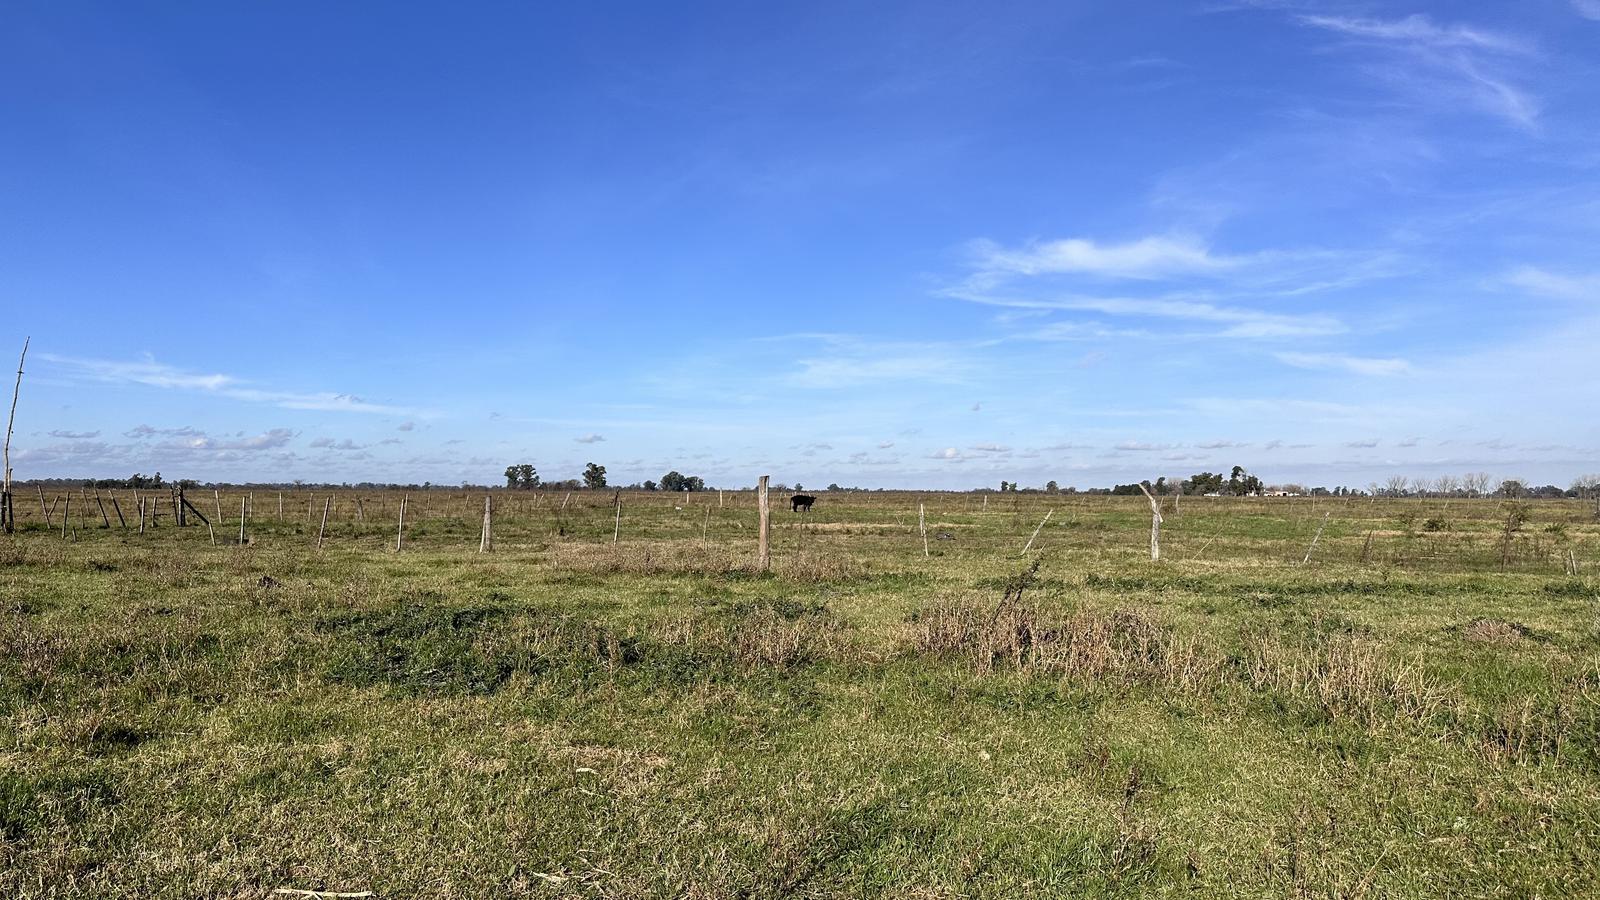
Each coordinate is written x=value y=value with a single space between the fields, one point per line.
x=1346 y=678
x=1495 y=631
x=1126 y=645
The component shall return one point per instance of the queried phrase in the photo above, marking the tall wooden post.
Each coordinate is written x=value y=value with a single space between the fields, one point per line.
x=763 y=546
x=323 y=528
x=616 y=529
x=1155 y=524
x=486 y=543
x=400 y=533
x=243 y=507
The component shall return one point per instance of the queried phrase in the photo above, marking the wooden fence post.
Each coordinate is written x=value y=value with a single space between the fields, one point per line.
x=763 y=545
x=922 y=526
x=1316 y=538
x=1029 y=545
x=400 y=532
x=616 y=529
x=486 y=543
x=243 y=506
x=1155 y=524
x=323 y=528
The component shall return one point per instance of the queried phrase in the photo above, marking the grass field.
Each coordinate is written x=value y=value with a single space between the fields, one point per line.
x=1414 y=712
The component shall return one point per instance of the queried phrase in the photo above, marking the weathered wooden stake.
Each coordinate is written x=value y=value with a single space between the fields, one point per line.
x=105 y=519
x=42 y=507
x=66 y=513
x=1028 y=546
x=1155 y=523
x=280 y=506
x=243 y=507
x=141 y=515
x=486 y=542
x=616 y=529
x=1316 y=538
x=323 y=528
x=706 y=524
x=400 y=533
x=764 y=511
x=217 y=496
x=118 y=507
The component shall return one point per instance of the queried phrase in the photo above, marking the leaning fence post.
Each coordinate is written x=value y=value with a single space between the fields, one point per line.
x=922 y=526
x=1036 y=531
x=763 y=545
x=1317 y=537
x=486 y=543
x=323 y=528
x=616 y=529
x=400 y=532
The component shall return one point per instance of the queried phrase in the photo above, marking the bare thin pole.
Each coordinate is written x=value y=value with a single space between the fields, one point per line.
x=42 y=507
x=323 y=528
x=616 y=529
x=1036 y=531
x=6 y=463
x=1316 y=538
x=242 y=507
x=922 y=526
x=400 y=532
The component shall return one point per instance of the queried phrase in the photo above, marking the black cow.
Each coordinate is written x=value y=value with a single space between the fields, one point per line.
x=801 y=503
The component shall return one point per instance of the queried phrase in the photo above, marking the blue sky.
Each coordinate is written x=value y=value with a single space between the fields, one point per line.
x=899 y=245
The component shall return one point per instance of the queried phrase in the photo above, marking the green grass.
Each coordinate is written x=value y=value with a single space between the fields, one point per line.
x=1416 y=712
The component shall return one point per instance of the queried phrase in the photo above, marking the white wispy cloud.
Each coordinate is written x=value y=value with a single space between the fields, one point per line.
x=1589 y=9
x=1551 y=284
x=1160 y=256
x=1239 y=321
x=75 y=435
x=847 y=362
x=1441 y=66
x=590 y=438
x=1356 y=365
x=990 y=448
x=154 y=374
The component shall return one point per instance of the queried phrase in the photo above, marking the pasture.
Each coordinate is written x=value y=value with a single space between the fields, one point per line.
x=1413 y=711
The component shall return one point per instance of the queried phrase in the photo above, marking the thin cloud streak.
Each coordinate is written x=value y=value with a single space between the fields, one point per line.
x=153 y=374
